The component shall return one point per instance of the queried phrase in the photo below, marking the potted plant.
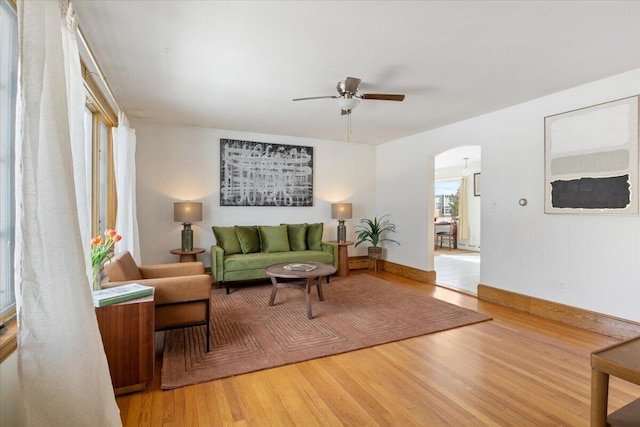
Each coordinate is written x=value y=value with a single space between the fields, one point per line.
x=371 y=231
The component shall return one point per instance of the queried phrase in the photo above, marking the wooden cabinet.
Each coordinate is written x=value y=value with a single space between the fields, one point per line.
x=127 y=331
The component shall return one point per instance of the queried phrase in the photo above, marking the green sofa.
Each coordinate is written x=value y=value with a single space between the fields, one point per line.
x=243 y=252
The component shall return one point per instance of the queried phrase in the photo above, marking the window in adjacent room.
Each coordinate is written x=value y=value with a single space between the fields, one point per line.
x=446 y=193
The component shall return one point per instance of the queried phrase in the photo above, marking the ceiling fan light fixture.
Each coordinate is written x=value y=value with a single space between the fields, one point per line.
x=466 y=172
x=348 y=104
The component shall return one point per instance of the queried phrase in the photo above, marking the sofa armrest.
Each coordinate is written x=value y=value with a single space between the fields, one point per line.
x=171 y=290
x=333 y=250
x=217 y=263
x=171 y=270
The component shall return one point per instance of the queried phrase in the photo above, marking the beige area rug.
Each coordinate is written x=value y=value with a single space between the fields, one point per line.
x=247 y=335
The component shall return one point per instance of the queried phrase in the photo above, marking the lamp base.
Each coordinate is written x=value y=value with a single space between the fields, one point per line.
x=187 y=237
x=342 y=231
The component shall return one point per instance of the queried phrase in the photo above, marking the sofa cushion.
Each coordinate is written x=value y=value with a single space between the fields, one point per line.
x=249 y=238
x=122 y=268
x=251 y=266
x=273 y=238
x=314 y=236
x=227 y=240
x=297 y=236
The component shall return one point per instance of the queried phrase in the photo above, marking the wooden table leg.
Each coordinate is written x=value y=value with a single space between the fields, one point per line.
x=599 y=398
x=273 y=291
x=319 y=285
x=307 y=294
x=188 y=258
x=343 y=261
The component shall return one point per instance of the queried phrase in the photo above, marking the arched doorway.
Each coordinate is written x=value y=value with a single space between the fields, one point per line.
x=457 y=192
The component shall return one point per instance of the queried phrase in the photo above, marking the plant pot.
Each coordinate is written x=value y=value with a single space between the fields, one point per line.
x=374 y=252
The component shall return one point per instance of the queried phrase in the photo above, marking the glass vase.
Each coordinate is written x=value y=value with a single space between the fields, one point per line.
x=96 y=277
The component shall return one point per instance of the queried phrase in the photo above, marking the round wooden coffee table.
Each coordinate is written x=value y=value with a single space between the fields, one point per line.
x=307 y=279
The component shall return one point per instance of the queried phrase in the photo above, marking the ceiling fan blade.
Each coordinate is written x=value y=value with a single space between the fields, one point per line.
x=314 y=97
x=382 y=96
x=351 y=84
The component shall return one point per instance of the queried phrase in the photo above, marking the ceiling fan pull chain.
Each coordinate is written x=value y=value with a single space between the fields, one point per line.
x=349 y=130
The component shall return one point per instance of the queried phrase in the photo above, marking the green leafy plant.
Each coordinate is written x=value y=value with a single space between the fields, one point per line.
x=371 y=231
x=454 y=201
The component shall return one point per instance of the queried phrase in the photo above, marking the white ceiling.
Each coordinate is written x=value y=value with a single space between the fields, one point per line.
x=237 y=64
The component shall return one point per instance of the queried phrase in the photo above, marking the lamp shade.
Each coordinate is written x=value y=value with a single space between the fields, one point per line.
x=341 y=211
x=187 y=212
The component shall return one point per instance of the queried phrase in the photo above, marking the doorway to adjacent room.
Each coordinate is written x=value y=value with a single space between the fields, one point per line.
x=457 y=200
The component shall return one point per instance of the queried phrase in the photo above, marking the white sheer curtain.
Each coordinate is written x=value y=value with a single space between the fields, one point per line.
x=124 y=153
x=62 y=368
x=463 y=210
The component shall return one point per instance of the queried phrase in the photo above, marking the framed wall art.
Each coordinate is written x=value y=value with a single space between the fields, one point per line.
x=591 y=159
x=476 y=184
x=265 y=174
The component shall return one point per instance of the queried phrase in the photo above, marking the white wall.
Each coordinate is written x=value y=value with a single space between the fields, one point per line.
x=580 y=260
x=177 y=163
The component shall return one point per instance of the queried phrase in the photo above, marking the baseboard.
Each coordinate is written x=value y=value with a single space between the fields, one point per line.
x=408 y=272
x=584 y=319
x=360 y=262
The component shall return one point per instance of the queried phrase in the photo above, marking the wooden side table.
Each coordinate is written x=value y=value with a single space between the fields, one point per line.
x=127 y=331
x=621 y=360
x=343 y=257
x=187 y=256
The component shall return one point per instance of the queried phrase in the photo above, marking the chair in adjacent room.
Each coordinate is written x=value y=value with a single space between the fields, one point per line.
x=182 y=290
x=450 y=236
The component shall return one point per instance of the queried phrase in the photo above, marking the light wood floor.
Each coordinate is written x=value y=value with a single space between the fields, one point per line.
x=515 y=370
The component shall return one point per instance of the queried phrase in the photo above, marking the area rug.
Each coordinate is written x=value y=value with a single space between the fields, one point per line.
x=248 y=335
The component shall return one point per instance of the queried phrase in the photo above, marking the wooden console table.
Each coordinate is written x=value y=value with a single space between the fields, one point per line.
x=621 y=360
x=127 y=331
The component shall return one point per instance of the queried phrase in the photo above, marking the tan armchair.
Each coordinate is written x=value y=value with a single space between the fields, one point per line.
x=182 y=290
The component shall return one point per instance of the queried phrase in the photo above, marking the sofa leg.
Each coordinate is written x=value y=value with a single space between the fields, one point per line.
x=226 y=286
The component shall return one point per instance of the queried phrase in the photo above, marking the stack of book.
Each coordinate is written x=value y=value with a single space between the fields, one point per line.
x=120 y=294
x=300 y=267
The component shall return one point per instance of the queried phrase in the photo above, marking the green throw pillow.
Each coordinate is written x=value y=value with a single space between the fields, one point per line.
x=297 y=236
x=227 y=239
x=249 y=239
x=274 y=238
x=314 y=236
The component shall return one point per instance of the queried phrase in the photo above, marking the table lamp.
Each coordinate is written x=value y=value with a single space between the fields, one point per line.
x=341 y=211
x=186 y=213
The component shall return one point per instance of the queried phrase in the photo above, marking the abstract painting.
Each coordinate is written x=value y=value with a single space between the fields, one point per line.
x=591 y=159
x=265 y=174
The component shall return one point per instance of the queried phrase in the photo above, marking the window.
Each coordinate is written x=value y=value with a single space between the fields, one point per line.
x=446 y=194
x=8 y=92
x=99 y=120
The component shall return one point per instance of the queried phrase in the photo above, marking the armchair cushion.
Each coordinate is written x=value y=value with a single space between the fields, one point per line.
x=274 y=238
x=122 y=267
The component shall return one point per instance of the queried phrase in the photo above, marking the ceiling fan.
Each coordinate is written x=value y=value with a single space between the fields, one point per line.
x=348 y=97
